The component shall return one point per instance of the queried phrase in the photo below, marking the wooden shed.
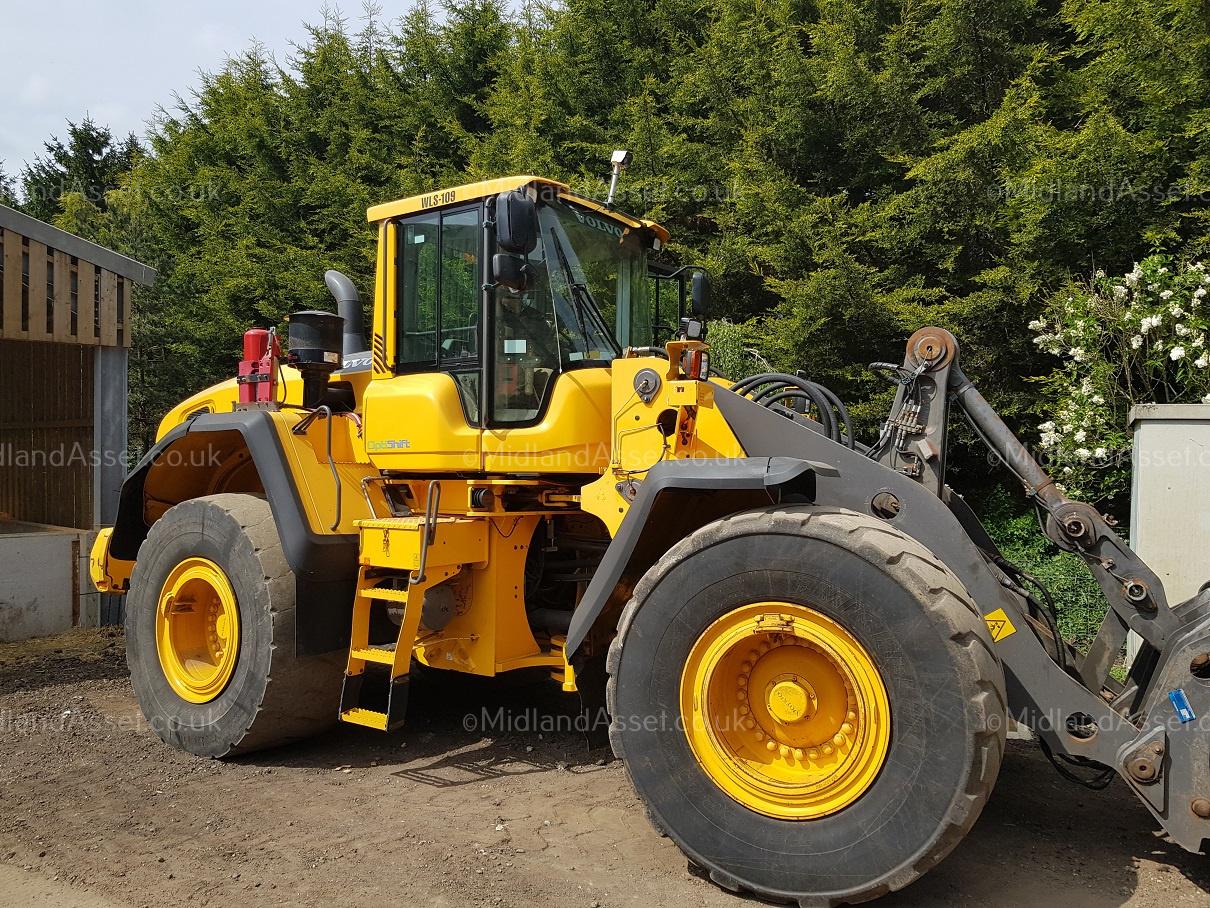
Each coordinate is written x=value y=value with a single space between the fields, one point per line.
x=65 y=315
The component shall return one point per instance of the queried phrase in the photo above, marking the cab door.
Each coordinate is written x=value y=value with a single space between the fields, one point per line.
x=422 y=413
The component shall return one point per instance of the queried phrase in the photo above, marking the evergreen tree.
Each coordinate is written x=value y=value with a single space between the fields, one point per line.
x=8 y=189
x=89 y=163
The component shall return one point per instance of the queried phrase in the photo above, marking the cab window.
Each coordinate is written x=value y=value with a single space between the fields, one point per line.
x=439 y=286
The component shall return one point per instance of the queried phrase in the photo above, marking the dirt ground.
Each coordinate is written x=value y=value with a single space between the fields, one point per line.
x=95 y=812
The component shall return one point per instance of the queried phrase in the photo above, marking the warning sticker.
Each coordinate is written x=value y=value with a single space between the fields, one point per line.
x=999 y=625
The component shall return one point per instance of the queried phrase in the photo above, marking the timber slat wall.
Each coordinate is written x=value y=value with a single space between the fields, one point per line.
x=63 y=301
x=50 y=295
x=46 y=432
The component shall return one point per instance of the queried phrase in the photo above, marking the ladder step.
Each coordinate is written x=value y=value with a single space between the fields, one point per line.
x=367 y=717
x=385 y=595
x=384 y=655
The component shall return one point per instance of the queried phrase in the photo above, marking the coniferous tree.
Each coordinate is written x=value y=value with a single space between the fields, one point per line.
x=89 y=163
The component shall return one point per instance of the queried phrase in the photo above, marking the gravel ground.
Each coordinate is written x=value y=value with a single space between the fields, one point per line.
x=95 y=812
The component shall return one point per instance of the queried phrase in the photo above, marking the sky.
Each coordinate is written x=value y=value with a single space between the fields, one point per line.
x=118 y=60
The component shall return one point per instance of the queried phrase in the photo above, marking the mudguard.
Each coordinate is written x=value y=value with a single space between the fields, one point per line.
x=759 y=474
x=325 y=566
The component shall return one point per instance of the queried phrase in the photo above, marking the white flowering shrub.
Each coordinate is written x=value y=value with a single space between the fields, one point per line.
x=1139 y=338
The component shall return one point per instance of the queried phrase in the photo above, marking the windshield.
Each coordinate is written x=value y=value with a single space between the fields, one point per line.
x=588 y=277
x=604 y=267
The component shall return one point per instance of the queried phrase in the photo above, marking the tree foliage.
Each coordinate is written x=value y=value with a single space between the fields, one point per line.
x=849 y=170
x=88 y=165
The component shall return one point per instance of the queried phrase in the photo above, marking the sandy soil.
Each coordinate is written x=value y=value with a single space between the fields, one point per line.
x=95 y=812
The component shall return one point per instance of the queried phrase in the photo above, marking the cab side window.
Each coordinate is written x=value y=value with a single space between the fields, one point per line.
x=419 y=239
x=440 y=291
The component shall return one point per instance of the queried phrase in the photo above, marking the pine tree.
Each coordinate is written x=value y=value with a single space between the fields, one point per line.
x=89 y=163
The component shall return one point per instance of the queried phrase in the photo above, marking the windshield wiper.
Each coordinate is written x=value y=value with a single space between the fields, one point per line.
x=579 y=291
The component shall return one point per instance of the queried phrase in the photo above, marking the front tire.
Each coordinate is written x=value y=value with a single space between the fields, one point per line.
x=808 y=703
x=210 y=627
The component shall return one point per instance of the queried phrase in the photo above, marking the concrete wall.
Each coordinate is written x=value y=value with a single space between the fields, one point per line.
x=1170 y=517
x=43 y=572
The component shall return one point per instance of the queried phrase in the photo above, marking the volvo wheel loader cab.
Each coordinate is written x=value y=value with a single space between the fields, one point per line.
x=811 y=646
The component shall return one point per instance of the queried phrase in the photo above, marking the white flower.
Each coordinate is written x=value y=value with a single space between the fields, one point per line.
x=1047 y=426
x=1177 y=353
x=1097 y=399
x=1164 y=270
x=1083 y=453
x=1066 y=471
x=1199 y=341
x=1158 y=345
x=1099 y=453
x=1049 y=439
x=1119 y=291
x=1182 y=330
x=1136 y=341
x=1066 y=427
x=1037 y=325
x=1177 y=311
x=1202 y=361
x=1080 y=435
x=1166 y=295
x=1077 y=354
x=1197 y=266
x=1200 y=292
x=1133 y=277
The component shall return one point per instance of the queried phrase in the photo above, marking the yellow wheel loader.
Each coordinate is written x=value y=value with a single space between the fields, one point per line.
x=811 y=645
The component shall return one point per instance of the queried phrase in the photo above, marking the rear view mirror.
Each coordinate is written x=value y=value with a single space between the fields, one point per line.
x=516 y=223
x=511 y=271
x=699 y=294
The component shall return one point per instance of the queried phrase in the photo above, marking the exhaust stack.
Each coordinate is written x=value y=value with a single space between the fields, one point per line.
x=348 y=305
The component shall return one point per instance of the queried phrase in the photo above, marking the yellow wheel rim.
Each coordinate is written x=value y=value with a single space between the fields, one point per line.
x=197 y=630
x=785 y=711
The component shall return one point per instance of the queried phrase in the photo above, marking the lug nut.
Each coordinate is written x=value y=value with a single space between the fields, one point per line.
x=1201 y=808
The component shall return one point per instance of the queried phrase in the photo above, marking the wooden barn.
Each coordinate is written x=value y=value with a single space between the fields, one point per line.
x=64 y=338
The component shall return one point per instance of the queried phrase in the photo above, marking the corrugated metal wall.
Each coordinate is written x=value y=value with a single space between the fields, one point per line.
x=46 y=433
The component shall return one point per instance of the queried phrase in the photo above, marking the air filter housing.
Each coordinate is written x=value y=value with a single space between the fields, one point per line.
x=315 y=350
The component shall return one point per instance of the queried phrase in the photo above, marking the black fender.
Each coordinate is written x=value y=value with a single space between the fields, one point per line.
x=765 y=476
x=324 y=565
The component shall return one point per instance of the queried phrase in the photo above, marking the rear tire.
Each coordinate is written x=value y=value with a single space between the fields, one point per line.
x=895 y=602
x=273 y=696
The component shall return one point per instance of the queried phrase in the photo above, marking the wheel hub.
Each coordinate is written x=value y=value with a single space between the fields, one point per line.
x=791 y=700
x=197 y=630
x=785 y=711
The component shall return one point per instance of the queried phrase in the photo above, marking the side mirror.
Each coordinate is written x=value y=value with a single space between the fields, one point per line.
x=512 y=271
x=516 y=223
x=699 y=294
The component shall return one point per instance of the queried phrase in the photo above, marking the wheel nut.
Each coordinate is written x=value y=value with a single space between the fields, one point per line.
x=1201 y=808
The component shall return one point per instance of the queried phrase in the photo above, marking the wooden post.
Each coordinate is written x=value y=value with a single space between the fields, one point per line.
x=37 y=292
x=10 y=326
x=62 y=332
x=86 y=307
x=108 y=333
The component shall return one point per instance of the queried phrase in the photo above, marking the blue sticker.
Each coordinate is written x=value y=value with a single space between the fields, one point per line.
x=1180 y=703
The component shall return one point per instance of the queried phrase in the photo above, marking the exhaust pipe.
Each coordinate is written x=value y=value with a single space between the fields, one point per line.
x=348 y=305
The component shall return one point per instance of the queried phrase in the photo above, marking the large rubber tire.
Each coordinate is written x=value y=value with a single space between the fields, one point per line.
x=274 y=696
x=944 y=683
